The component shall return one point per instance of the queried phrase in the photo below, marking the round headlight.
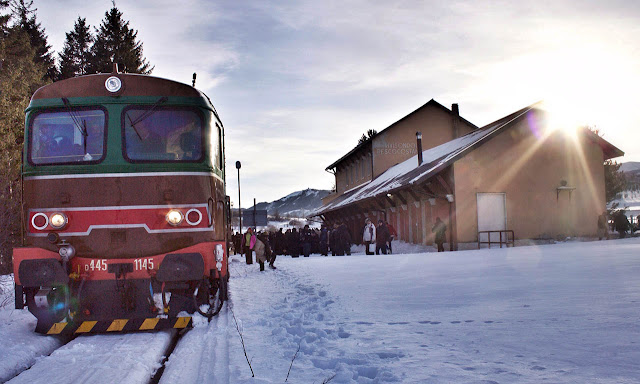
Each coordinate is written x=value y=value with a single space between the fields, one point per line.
x=113 y=84
x=58 y=220
x=174 y=217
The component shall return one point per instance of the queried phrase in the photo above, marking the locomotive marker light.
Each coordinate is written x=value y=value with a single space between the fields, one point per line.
x=58 y=220
x=113 y=84
x=174 y=217
x=40 y=221
x=191 y=214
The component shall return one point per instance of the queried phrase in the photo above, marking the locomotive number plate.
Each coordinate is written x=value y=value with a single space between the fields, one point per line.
x=96 y=265
x=143 y=264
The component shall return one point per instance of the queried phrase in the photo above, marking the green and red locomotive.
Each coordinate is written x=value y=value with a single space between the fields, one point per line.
x=124 y=209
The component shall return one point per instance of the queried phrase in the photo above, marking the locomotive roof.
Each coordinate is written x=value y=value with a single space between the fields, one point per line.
x=132 y=85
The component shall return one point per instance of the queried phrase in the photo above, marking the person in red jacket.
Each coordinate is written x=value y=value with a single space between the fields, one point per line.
x=393 y=234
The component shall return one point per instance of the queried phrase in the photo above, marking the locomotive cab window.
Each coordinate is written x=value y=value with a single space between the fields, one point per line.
x=162 y=134
x=67 y=137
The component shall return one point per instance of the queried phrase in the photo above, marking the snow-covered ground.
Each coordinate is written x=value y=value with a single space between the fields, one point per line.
x=564 y=313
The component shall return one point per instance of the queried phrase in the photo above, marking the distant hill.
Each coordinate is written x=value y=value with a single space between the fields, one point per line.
x=630 y=167
x=296 y=204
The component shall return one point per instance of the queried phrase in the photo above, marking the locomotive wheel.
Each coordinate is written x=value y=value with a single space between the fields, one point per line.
x=210 y=297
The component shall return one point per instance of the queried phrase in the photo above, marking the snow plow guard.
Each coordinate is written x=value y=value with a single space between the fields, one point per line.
x=120 y=325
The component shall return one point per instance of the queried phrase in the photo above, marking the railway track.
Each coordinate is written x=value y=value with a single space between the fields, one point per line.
x=168 y=356
x=131 y=358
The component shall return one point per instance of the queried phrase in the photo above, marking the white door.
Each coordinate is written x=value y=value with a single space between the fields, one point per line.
x=492 y=214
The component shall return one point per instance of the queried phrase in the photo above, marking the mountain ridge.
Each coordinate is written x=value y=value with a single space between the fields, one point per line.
x=296 y=204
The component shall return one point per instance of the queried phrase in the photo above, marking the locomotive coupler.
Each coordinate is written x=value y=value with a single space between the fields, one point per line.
x=127 y=291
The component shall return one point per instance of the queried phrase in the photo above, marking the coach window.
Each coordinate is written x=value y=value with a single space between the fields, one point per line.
x=162 y=134
x=68 y=136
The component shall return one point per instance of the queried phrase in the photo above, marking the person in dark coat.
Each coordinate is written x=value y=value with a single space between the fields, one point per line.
x=382 y=237
x=246 y=245
x=278 y=242
x=392 y=235
x=440 y=230
x=344 y=239
x=306 y=239
x=324 y=241
x=333 y=240
x=294 y=243
x=621 y=224
x=237 y=239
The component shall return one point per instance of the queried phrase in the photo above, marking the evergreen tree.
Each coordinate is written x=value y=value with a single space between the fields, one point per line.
x=368 y=136
x=20 y=76
x=4 y=21
x=75 y=58
x=116 y=42
x=25 y=16
x=614 y=180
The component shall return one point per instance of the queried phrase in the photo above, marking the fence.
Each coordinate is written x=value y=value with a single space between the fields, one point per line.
x=503 y=238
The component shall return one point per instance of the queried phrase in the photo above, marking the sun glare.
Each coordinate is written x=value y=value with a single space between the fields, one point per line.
x=584 y=84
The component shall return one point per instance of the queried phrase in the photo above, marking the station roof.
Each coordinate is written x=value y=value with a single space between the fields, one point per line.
x=438 y=158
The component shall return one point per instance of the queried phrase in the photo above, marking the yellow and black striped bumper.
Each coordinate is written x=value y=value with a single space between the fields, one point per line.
x=120 y=325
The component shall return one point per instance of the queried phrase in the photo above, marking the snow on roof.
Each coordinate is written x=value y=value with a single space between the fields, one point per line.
x=434 y=160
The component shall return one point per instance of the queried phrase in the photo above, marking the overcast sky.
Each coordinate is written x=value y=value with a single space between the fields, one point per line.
x=296 y=83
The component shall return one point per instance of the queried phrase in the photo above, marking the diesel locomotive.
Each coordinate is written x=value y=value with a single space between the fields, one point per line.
x=124 y=210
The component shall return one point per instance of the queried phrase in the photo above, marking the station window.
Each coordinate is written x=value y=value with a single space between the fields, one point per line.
x=67 y=136
x=167 y=134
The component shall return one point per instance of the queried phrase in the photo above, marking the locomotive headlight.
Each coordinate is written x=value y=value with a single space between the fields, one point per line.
x=174 y=217
x=58 y=220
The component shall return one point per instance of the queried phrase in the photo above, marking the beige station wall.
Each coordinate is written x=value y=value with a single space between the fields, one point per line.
x=529 y=170
x=354 y=172
x=398 y=143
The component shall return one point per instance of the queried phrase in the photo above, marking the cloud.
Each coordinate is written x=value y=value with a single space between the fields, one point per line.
x=297 y=82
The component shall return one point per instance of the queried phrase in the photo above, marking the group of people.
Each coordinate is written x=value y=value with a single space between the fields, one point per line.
x=293 y=242
x=336 y=239
x=620 y=223
x=381 y=236
x=259 y=243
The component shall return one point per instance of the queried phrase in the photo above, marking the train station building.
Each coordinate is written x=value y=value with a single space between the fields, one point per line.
x=518 y=178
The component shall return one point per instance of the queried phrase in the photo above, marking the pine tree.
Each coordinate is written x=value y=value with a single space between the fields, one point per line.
x=75 y=58
x=614 y=180
x=25 y=16
x=20 y=76
x=116 y=42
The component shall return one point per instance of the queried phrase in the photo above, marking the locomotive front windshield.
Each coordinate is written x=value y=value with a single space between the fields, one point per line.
x=67 y=137
x=162 y=134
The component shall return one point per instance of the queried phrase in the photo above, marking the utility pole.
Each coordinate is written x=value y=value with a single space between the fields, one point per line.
x=238 y=165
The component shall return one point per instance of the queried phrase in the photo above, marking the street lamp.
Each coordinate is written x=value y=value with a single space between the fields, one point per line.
x=238 y=165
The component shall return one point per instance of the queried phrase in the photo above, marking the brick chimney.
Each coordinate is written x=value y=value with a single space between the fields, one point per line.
x=419 y=142
x=455 y=111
